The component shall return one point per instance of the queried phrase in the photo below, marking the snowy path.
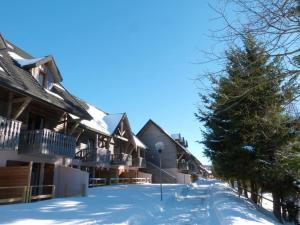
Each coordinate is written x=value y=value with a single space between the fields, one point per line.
x=204 y=203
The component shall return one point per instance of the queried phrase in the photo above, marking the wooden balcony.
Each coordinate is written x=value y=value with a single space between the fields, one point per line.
x=47 y=142
x=121 y=159
x=9 y=134
x=139 y=162
x=95 y=155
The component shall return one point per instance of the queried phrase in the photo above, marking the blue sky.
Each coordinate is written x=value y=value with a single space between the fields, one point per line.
x=132 y=56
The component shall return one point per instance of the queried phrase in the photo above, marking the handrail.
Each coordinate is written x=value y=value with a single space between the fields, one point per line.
x=47 y=142
x=164 y=171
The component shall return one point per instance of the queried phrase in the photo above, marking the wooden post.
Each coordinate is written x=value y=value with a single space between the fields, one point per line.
x=41 y=180
x=25 y=192
x=65 y=123
x=9 y=109
x=22 y=108
x=29 y=182
x=53 y=191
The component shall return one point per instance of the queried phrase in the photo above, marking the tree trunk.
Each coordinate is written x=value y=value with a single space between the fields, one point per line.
x=232 y=183
x=254 y=196
x=245 y=189
x=240 y=190
x=277 y=206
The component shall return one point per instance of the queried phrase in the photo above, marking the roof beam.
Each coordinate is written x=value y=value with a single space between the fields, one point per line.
x=73 y=128
x=22 y=108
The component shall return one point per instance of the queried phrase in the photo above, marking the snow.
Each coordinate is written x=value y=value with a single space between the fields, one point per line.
x=248 y=148
x=9 y=45
x=205 y=202
x=25 y=62
x=112 y=121
x=15 y=56
x=58 y=86
x=102 y=122
x=54 y=94
x=138 y=142
x=268 y=205
x=21 y=61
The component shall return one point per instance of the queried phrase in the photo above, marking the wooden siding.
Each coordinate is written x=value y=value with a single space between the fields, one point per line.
x=150 y=137
x=13 y=177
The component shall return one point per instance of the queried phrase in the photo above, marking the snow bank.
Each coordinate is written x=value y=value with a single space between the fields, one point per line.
x=232 y=210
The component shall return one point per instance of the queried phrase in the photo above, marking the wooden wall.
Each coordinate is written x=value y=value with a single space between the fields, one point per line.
x=13 y=177
x=150 y=137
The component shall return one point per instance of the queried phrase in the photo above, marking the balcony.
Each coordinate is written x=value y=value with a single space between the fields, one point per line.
x=121 y=159
x=139 y=162
x=94 y=155
x=47 y=142
x=9 y=134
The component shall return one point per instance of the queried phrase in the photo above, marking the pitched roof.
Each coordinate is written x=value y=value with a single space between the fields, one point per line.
x=138 y=142
x=164 y=132
x=16 y=78
x=35 y=62
x=101 y=121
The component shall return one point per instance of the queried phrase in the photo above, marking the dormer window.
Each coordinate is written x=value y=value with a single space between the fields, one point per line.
x=42 y=79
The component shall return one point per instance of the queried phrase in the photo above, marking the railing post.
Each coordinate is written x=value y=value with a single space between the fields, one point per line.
x=53 y=191
x=29 y=195
x=25 y=194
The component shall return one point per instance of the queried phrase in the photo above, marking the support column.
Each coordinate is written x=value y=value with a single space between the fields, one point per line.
x=41 y=180
x=9 y=108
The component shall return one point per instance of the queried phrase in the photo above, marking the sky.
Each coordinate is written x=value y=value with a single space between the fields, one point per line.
x=135 y=56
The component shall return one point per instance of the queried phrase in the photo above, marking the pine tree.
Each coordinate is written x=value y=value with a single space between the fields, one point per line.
x=248 y=131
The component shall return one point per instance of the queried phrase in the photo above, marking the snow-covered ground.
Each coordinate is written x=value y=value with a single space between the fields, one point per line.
x=205 y=202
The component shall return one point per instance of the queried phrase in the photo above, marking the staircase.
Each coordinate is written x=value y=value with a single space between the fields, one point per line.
x=165 y=175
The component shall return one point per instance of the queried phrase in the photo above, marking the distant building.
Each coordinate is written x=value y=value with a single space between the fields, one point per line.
x=177 y=162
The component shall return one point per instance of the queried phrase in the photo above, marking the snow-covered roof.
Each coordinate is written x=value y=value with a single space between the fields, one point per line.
x=139 y=143
x=102 y=122
x=26 y=62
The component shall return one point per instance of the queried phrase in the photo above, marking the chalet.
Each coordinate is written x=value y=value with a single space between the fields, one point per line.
x=106 y=146
x=37 y=145
x=177 y=162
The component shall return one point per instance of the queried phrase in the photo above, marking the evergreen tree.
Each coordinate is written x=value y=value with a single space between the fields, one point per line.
x=248 y=132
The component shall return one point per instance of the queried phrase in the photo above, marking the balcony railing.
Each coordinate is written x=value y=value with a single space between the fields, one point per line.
x=139 y=162
x=121 y=159
x=9 y=134
x=47 y=142
x=94 y=155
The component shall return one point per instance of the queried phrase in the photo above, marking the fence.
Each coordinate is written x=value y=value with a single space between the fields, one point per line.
x=283 y=206
x=96 y=182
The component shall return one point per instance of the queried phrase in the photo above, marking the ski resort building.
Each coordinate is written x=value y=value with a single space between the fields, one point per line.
x=53 y=144
x=36 y=141
x=177 y=162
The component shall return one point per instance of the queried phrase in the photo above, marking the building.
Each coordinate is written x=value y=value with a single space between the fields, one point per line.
x=177 y=162
x=106 y=146
x=36 y=142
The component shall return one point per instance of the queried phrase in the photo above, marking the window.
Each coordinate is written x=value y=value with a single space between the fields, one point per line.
x=42 y=78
